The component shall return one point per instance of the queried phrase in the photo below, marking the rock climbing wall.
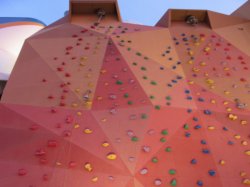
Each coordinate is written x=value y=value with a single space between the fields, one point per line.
x=127 y=105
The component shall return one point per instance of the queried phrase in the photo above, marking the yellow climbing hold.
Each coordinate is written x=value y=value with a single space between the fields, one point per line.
x=88 y=167
x=213 y=101
x=229 y=109
x=207 y=49
x=88 y=131
x=190 y=82
x=111 y=156
x=246 y=181
x=243 y=122
x=90 y=84
x=76 y=125
x=190 y=53
x=105 y=144
x=195 y=69
x=190 y=62
x=232 y=117
x=79 y=113
x=206 y=74
x=77 y=90
x=203 y=63
x=226 y=92
x=94 y=179
x=87 y=104
x=237 y=136
x=243 y=174
x=74 y=105
x=209 y=81
x=222 y=162
x=247 y=152
x=225 y=103
x=210 y=127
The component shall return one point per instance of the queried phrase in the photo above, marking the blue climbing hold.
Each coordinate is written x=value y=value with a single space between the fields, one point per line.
x=203 y=142
x=211 y=172
x=206 y=151
x=199 y=183
x=207 y=112
x=193 y=161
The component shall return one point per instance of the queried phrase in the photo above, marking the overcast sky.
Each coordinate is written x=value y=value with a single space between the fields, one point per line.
x=146 y=12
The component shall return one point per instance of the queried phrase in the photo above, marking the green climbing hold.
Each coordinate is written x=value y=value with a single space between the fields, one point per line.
x=172 y=172
x=135 y=63
x=154 y=160
x=173 y=182
x=151 y=97
x=144 y=116
x=164 y=132
x=163 y=140
x=138 y=54
x=153 y=83
x=145 y=58
x=126 y=95
x=157 y=107
x=134 y=139
x=143 y=68
x=130 y=102
x=129 y=49
x=145 y=77
x=168 y=149
x=119 y=82
x=185 y=126
x=168 y=98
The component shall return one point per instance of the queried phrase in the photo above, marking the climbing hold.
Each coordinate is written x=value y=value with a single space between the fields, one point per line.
x=22 y=172
x=172 y=171
x=40 y=152
x=134 y=139
x=164 y=132
x=246 y=181
x=193 y=161
x=154 y=159
x=157 y=182
x=111 y=156
x=206 y=151
x=244 y=142
x=88 y=131
x=247 y=152
x=168 y=149
x=94 y=179
x=210 y=127
x=88 y=167
x=52 y=143
x=232 y=117
x=146 y=149
x=163 y=140
x=173 y=182
x=211 y=172
x=105 y=144
x=207 y=112
x=199 y=183
x=222 y=162
x=143 y=171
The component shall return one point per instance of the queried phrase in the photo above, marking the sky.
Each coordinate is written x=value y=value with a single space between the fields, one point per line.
x=146 y=12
